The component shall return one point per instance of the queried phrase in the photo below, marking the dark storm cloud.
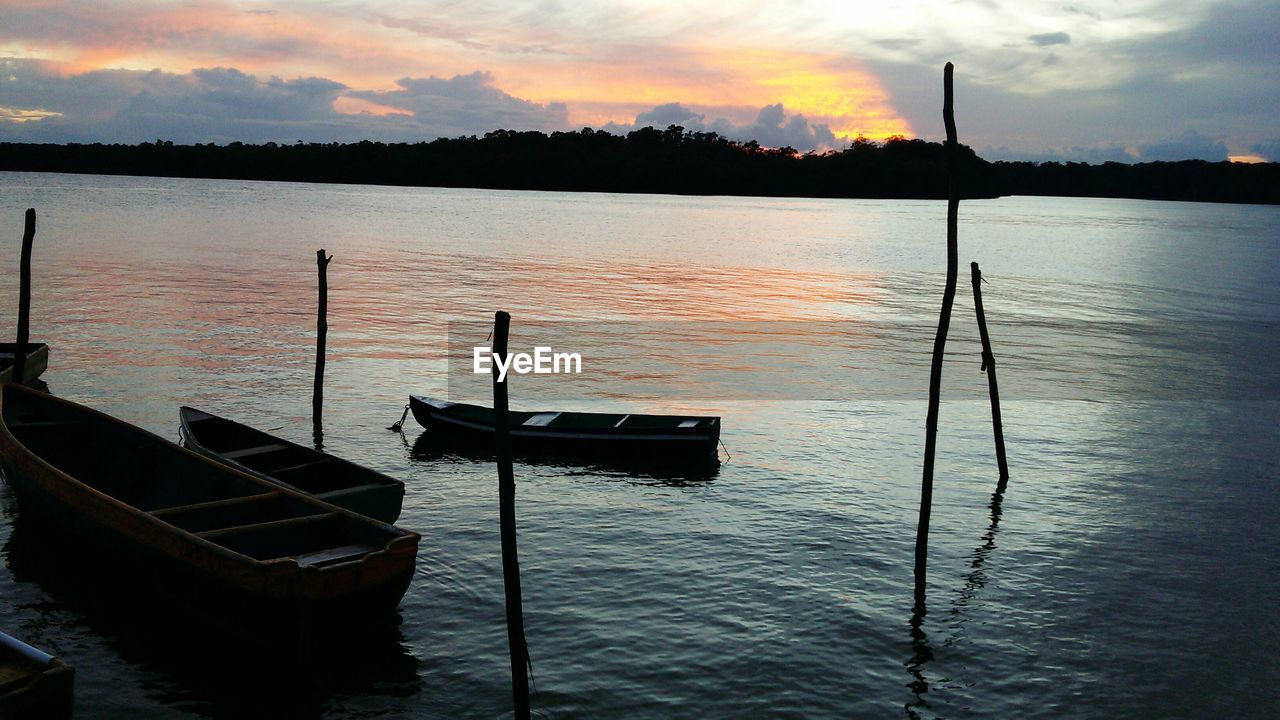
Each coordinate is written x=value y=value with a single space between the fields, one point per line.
x=208 y=105
x=228 y=94
x=771 y=128
x=670 y=114
x=1092 y=155
x=1216 y=78
x=1269 y=149
x=468 y=105
x=1191 y=145
x=1054 y=38
x=224 y=104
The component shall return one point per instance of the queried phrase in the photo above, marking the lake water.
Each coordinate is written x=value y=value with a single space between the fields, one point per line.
x=1129 y=571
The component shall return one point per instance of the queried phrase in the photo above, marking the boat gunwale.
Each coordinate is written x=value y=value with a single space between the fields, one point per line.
x=37 y=356
x=708 y=433
x=386 y=481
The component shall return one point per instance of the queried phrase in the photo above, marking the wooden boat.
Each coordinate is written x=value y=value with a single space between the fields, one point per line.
x=304 y=469
x=33 y=683
x=226 y=544
x=37 y=361
x=451 y=448
x=669 y=439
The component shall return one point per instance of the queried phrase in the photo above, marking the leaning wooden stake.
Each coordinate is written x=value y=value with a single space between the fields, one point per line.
x=939 y=341
x=322 y=329
x=989 y=365
x=24 y=297
x=507 y=519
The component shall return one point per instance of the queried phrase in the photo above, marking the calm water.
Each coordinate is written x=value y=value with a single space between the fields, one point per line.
x=1130 y=570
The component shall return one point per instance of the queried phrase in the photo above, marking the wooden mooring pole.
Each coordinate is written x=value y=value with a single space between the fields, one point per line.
x=322 y=330
x=939 y=341
x=989 y=365
x=507 y=518
x=24 y=297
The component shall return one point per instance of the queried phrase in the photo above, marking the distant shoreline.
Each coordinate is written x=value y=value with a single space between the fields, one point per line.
x=673 y=162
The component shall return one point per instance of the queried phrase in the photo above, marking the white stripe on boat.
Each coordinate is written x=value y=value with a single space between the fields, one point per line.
x=552 y=434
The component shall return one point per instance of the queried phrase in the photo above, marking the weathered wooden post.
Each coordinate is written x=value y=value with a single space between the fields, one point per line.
x=507 y=518
x=940 y=340
x=24 y=297
x=322 y=330
x=989 y=365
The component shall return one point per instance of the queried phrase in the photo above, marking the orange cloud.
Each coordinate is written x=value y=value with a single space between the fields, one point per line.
x=598 y=79
x=21 y=115
x=348 y=105
x=179 y=37
x=733 y=83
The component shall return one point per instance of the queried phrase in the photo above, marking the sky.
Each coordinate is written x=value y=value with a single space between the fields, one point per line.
x=1084 y=80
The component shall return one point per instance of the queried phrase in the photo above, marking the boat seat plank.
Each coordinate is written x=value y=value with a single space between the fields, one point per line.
x=257 y=450
x=353 y=489
x=333 y=556
x=287 y=522
x=226 y=502
x=291 y=468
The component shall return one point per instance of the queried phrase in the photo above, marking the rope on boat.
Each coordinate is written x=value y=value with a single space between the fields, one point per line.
x=727 y=456
x=399 y=424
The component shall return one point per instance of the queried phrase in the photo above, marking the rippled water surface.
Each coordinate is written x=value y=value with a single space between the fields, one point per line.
x=1129 y=570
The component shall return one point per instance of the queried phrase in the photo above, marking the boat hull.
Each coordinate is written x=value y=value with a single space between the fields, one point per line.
x=656 y=445
x=260 y=606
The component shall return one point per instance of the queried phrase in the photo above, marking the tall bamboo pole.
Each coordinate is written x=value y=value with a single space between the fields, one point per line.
x=24 y=297
x=989 y=365
x=939 y=342
x=322 y=331
x=507 y=518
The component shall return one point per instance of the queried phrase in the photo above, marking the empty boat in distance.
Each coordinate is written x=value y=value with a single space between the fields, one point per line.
x=668 y=439
x=328 y=478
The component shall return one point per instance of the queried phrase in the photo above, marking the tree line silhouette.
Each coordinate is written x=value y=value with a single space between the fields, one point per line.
x=648 y=160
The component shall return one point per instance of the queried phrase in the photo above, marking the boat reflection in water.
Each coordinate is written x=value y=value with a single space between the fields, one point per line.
x=195 y=663
x=447 y=447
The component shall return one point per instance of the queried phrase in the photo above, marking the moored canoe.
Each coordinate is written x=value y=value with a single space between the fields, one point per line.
x=222 y=539
x=304 y=469
x=659 y=438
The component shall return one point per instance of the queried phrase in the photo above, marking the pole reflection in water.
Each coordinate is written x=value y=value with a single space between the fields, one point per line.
x=921 y=651
x=921 y=654
x=977 y=577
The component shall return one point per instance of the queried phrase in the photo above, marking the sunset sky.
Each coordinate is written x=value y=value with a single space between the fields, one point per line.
x=1087 y=80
